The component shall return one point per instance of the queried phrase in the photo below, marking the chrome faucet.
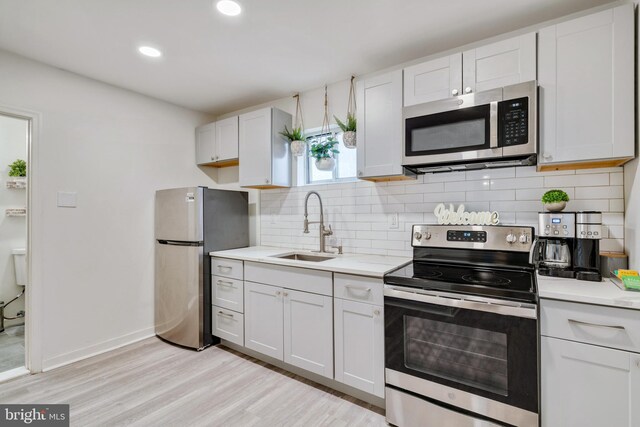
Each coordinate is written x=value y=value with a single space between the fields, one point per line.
x=323 y=231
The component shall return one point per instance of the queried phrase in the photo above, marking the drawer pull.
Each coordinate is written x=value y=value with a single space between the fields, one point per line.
x=222 y=313
x=579 y=322
x=357 y=288
x=225 y=283
x=225 y=267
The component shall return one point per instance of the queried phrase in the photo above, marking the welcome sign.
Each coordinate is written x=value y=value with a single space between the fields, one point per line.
x=459 y=216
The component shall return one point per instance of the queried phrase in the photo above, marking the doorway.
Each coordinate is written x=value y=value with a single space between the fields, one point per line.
x=14 y=153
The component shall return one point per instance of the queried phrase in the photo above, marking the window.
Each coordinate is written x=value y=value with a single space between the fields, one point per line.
x=345 y=169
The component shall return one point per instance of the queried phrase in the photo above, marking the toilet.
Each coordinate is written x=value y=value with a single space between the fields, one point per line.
x=20 y=266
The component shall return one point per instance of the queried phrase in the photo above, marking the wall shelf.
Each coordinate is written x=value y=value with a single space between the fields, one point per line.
x=16 y=212
x=17 y=184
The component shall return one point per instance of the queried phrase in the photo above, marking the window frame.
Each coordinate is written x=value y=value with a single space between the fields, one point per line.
x=308 y=159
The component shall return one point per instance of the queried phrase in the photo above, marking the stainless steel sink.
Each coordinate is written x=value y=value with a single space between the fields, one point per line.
x=303 y=257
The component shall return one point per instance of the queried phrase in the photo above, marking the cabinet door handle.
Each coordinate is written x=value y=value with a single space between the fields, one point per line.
x=277 y=293
x=468 y=89
x=454 y=92
x=286 y=294
x=357 y=288
x=376 y=312
x=212 y=158
x=546 y=156
x=224 y=282
x=580 y=322
x=225 y=267
x=222 y=313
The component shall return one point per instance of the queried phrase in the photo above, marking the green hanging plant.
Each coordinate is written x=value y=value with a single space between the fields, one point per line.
x=18 y=168
x=349 y=126
x=295 y=134
x=324 y=149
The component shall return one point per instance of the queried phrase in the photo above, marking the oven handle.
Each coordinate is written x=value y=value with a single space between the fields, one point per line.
x=528 y=311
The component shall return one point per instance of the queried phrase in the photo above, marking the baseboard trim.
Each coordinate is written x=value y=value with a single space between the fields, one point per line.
x=13 y=373
x=96 y=349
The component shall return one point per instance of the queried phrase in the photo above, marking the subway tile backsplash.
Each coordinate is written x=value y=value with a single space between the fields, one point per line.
x=362 y=213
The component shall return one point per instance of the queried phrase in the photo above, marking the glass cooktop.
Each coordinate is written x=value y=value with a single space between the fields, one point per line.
x=492 y=282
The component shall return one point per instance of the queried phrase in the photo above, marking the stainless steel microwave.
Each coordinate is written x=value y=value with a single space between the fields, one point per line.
x=494 y=128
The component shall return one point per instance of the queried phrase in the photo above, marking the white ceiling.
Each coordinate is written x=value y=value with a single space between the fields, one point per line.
x=218 y=64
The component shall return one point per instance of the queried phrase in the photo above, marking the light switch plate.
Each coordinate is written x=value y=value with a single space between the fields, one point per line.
x=67 y=199
x=393 y=221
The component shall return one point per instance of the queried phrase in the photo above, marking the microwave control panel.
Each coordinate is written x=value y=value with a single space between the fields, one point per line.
x=513 y=122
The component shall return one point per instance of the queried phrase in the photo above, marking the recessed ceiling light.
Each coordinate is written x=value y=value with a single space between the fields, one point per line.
x=149 y=51
x=228 y=7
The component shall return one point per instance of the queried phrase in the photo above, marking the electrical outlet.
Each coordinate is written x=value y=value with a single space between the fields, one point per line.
x=393 y=221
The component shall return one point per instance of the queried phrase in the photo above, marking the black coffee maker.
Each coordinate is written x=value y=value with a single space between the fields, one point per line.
x=586 y=249
x=568 y=245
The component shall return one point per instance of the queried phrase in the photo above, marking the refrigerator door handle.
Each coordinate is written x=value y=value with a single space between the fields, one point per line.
x=179 y=243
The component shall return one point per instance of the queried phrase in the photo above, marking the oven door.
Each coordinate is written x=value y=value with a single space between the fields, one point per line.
x=456 y=129
x=478 y=356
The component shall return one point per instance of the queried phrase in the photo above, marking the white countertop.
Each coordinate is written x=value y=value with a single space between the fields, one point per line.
x=600 y=293
x=363 y=265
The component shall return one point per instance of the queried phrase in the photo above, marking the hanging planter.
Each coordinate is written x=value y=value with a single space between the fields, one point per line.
x=326 y=164
x=296 y=135
x=348 y=127
x=324 y=149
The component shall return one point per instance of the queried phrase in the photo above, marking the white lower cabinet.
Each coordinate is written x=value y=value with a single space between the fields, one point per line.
x=359 y=345
x=308 y=331
x=264 y=319
x=290 y=325
x=586 y=385
x=590 y=365
x=228 y=325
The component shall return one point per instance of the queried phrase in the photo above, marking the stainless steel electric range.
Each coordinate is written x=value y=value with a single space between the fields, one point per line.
x=461 y=329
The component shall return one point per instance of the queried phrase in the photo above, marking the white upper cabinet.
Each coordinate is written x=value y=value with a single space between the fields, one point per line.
x=206 y=144
x=265 y=161
x=217 y=143
x=433 y=80
x=499 y=64
x=227 y=139
x=586 y=78
x=487 y=67
x=379 y=136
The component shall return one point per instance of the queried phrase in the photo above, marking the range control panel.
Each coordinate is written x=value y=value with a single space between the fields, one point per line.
x=466 y=236
x=514 y=121
x=493 y=237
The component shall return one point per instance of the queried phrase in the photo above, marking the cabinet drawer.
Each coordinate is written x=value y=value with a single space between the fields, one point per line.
x=358 y=288
x=224 y=267
x=227 y=293
x=300 y=279
x=228 y=325
x=592 y=324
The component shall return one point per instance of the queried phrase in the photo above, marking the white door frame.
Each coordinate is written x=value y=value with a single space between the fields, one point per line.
x=33 y=302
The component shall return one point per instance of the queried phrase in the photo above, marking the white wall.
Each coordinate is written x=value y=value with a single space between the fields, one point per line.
x=115 y=148
x=13 y=230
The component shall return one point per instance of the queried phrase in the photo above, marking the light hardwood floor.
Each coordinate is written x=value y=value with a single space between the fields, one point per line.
x=152 y=383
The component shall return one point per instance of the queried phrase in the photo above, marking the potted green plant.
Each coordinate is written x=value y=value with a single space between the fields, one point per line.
x=324 y=152
x=349 y=129
x=296 y=137
x=555 y=200
x=18 y=169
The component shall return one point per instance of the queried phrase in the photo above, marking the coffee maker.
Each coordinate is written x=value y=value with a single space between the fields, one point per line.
x=568 y=245
x=586 y=249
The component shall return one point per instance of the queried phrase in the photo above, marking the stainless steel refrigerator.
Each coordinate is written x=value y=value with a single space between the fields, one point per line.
x=190 y=223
